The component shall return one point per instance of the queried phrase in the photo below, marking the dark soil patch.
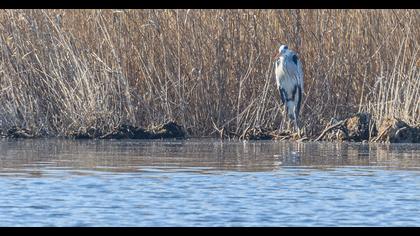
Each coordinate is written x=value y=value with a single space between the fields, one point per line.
x=257 y=134
x=126 y=131
x=16 y=132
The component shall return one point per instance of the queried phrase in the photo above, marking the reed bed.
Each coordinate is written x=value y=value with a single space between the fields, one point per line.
x=67 y=70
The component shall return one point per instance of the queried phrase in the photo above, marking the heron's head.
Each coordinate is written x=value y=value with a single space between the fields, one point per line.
x=282 y=50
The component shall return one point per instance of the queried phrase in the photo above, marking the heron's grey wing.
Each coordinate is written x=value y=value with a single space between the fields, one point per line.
x=283 y=95
x=300 y=74
x=295 y=68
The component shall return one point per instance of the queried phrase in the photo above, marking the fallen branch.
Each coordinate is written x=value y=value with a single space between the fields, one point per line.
x=220 y=131
x=381 y=134
x=244 y=133
x=330 y=128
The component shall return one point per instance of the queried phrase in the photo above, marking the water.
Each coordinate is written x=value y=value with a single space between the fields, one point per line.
x=200 y=182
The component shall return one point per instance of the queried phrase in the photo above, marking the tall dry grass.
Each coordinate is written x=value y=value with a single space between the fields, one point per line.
x=66 y=70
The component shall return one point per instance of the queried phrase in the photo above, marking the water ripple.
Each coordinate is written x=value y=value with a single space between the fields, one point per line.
x=207 y=183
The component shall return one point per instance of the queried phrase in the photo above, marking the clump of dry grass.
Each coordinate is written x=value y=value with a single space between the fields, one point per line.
x=67 y=70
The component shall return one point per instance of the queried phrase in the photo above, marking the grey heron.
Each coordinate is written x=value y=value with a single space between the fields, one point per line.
x=289 y=80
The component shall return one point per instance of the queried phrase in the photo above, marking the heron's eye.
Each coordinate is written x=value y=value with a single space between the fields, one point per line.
x=285 y=47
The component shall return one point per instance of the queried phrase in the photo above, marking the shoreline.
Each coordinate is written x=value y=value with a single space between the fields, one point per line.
x=358 y=127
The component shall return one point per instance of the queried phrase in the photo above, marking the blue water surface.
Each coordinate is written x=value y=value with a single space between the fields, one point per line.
x=202 y=182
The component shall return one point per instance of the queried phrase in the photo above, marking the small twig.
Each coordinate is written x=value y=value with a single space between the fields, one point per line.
x=303 y=139
x=399 y=130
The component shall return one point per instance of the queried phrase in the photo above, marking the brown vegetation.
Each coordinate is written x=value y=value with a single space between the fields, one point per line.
x=62 y=71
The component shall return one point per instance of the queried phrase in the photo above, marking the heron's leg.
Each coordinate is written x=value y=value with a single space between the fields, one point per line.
x=283 y=121
x=296 y=122
x=299 y=130
x=286 y=118
x=288 y=124
x=283 y=124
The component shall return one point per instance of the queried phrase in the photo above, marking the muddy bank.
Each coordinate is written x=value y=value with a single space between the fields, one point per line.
x=394 y=130
x=16 y=132
x=362 y=128
x=359 y=127
x=125 y=131
x=356 y=128
x=263 y=134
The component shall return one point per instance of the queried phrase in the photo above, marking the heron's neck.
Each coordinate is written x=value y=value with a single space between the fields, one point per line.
x=281 y=61
x=283 y=58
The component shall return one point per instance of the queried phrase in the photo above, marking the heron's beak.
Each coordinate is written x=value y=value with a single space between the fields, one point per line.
x=277 y=55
